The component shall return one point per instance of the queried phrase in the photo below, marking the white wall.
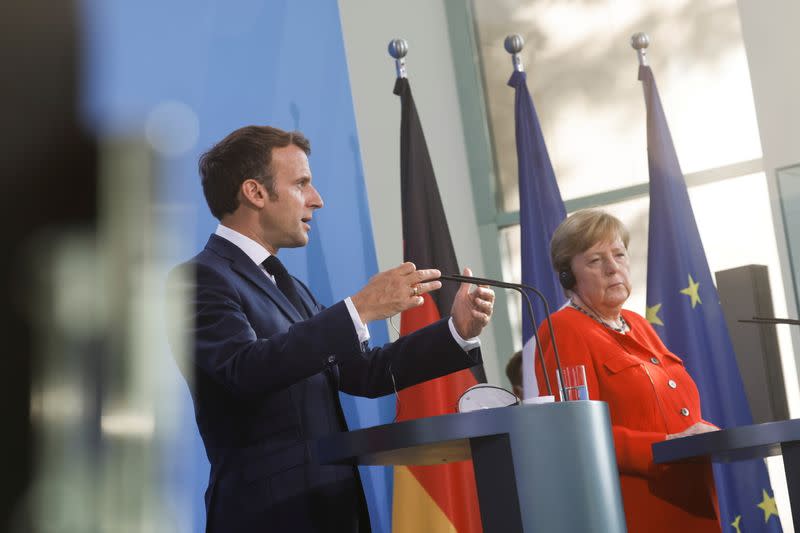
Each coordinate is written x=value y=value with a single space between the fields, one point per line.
x=368 y=26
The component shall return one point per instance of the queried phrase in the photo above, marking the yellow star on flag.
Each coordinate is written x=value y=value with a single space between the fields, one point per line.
x=652 y=315
x=768 y=505
x=691 y=291
x=735 y=523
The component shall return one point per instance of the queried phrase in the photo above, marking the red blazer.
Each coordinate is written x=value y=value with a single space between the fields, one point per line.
x=649 y=395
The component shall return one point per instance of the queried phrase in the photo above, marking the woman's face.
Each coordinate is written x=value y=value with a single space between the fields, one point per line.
x=602 y=276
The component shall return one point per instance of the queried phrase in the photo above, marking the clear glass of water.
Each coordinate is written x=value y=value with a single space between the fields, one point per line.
x=574 y=380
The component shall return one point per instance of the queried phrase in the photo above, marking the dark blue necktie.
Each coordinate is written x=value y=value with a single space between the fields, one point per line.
x=285 y=283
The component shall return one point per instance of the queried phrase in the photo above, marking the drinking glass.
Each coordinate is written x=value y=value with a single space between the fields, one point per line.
x=574 y=383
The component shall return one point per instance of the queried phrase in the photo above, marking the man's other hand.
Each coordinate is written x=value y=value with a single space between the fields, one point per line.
x=472 y=309
x=394 y=291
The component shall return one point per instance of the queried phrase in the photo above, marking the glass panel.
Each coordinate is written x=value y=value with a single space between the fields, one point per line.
x=582 y=73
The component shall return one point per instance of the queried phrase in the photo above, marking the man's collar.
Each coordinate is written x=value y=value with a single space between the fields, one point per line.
x=256 y=252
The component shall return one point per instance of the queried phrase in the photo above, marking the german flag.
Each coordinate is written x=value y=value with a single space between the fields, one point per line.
x=440 y=498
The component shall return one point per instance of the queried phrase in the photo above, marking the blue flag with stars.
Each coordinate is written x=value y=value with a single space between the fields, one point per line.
x=541 y=210
x=683 y=307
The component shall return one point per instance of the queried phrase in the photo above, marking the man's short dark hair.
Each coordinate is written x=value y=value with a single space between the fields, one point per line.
x=244 y=154
x=514 y=369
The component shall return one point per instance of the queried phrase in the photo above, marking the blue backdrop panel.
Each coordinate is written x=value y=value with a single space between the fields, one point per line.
x=230 y=64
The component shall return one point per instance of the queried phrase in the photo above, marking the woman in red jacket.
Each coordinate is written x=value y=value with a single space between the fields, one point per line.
x=650 y=395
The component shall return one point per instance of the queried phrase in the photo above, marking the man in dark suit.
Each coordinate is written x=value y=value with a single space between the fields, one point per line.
x=268 y=360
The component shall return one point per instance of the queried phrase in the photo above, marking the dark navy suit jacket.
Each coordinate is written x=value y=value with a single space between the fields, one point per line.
x=264 y=385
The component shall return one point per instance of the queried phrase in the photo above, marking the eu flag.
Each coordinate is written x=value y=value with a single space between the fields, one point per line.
x=541 y=210
x=683 y=306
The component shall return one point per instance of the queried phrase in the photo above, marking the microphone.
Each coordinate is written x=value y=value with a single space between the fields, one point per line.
x=523 y=290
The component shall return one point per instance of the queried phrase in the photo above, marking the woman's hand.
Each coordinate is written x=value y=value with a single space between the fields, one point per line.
x=696 y=429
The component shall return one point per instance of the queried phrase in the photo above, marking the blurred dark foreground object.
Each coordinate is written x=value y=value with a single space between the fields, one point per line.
x=47 y=184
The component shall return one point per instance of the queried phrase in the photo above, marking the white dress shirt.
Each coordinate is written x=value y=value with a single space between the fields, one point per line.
x=258 y=254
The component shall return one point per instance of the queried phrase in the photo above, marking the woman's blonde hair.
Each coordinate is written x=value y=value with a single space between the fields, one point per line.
x=582 y=230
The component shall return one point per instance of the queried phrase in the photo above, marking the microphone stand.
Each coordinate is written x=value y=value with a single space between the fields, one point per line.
x=520 y=288
x=771 y=320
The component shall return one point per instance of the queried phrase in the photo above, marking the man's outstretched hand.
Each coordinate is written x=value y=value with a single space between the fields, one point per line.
x=472 y=309
x=394 y=291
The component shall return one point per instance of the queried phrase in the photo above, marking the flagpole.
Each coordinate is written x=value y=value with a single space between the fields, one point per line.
x=398 y=48
x=513 y=45
x=640 y=41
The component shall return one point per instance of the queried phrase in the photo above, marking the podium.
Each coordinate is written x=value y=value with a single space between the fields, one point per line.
x=742 y=443
x=548 y=467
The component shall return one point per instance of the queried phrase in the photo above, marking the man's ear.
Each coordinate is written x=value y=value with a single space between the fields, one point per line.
x=252 y=193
